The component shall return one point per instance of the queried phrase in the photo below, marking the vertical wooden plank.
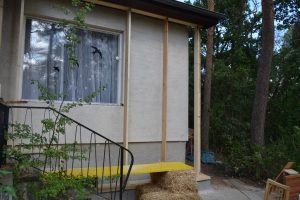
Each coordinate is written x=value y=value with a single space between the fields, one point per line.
x=20 y=51
x=197 y=101
x=126 y=84
x=165 y=90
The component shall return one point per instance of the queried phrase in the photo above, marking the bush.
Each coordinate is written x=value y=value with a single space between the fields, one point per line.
x=244 y=159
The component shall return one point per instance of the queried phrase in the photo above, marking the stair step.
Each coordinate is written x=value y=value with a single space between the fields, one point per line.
x=203 y=182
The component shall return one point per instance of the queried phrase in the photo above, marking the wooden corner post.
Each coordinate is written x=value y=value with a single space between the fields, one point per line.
x=197 y=100
x=126 y=84
x=165 y=90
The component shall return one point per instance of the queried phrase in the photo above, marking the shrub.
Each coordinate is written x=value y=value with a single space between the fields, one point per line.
x=245 y=159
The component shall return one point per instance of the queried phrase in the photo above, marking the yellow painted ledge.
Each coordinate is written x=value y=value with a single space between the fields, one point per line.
x=136 y=169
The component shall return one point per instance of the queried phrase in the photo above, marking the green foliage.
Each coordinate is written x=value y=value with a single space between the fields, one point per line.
x=7 y=188
x=264 y=162
x=58 y=184
x=236 y=52
x=287 y=13
x=63 y=186
x=79 y=12
x=282 y=138
x=55 y=183
x=284 y=105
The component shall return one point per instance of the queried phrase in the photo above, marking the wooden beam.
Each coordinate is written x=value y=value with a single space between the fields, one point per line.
x=165 y=90
x=156 y=16
x=21 y=40
x=178 y=21
x=107 y=4
x=126 y=83
x=137 y=11
x=197 y=101
x=148 y=14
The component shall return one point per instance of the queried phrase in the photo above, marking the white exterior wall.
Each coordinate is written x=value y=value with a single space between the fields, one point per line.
x=145 y=80
x=177 y=110
x=145 y=98
x=145 y=109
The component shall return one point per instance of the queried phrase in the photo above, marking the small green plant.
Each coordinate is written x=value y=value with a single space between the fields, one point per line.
x=7 y=188
x=63 y=186
x=57 y=184
x=70 y=28
x=52 y=184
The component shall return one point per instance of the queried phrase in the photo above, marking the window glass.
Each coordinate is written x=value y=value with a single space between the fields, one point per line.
x=46 y=60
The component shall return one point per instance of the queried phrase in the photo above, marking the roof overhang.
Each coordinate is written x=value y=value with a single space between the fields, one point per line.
x=171 y=9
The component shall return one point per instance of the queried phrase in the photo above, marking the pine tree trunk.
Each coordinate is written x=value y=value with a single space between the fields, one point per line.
x=207 y=83
x=263 y=74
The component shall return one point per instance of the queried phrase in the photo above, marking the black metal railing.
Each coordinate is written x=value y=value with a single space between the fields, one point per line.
x=79 y=150
x=4 y=111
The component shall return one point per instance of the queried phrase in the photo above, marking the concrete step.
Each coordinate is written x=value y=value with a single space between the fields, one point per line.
x=203 y=181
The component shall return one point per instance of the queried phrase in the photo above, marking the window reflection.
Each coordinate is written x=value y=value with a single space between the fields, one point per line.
x=46 y=60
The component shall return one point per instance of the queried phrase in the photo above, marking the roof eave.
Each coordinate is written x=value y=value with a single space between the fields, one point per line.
x=176 y=10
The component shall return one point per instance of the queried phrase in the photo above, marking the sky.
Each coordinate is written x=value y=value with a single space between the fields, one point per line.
x=278 y=34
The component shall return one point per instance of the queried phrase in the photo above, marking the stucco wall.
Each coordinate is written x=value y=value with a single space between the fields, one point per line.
x=177 y=109
x=101 y=17
x=146 y=81
x=145 y=98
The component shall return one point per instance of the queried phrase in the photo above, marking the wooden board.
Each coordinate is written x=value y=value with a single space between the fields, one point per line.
x=290 y=171
x=294 y=182
x=197 y=101
x=136 y=169
x=165 y=91
x=126 y=84
x=140 y=12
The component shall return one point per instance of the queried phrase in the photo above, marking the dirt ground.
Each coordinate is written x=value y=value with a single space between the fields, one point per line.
x=218 y=173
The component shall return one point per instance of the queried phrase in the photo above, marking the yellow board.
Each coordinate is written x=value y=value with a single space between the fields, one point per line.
x=136 y=169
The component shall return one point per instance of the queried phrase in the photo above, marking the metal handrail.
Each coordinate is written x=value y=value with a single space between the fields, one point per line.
x=123 y=180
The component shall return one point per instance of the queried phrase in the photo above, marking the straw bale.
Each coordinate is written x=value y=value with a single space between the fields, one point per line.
x=164 y=195
x=147 y=188
x=176 y=181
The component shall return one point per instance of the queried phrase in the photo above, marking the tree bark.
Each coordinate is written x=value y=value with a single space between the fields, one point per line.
x=263 y=74
x=207 y=83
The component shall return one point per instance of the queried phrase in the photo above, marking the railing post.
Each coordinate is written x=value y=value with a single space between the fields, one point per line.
x=121 y=173
x=4 y=111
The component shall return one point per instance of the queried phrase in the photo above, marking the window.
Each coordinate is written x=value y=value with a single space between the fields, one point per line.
x=46 y=60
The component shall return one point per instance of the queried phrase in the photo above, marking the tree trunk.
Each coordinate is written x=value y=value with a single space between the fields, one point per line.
x=263 y=74
x=207 y=83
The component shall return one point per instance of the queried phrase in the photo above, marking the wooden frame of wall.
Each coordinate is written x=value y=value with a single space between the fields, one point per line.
x=137 y=11
x=197 y=100
x=165 y=89
x=197 y=79
x=126 y=83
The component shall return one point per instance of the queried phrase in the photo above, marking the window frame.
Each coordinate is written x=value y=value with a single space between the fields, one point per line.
x=89 y=27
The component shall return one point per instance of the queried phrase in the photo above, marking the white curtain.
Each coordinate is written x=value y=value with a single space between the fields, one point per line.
x=46 y=60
